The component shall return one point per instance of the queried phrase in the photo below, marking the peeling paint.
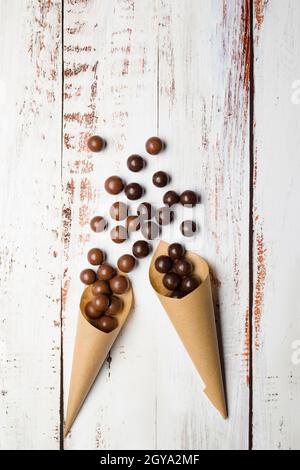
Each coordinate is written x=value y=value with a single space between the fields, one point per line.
x=260 y=285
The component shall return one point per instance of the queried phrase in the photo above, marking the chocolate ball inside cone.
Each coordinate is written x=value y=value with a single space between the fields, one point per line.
x=133 y=223
x=183 y=267
x=172 y=281
x=114 y=185
x=106 y=272
x=150 y=230
x=176 y=251
x=160 y=179
x=188 y=228
x=115 y=306
x=163 y=264
x=88 y=276
x=134 y=191
x=95 y=143
x=119 y=211
x=126 y=263
x=107 y=323
x=145 y=211
x=141 y=249
x=119 y=284
x=164 y=216
x=189 y=198
x=98 y=224
x=95 y=256
x=189 y=284
x=100 y=303
x=177 y=294
x=119 y=234
x=135 y=163
x=101 y=287
x=91 y=312
x=154 y=145
x=171 y=198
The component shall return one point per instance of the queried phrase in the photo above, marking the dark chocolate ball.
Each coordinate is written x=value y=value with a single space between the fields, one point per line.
x=177 y=294
x=98 y=224
x=106 y=272
x=126 y=263
x=145 y=211
x=163 y=264
x=188 y=228
x=133 y=223
x=176 y=251
x=172 y=281
x=160 y=179
x=189 y=198
x=91 y=312
x=150 y=230
x=114 y=185
x=95 y=143
x=101 y=287
x=183 y=267
x=101 y=303
x=189 y=284
x=135 y=163
x=119 y=234
x=164 y=215
x=88 y=276
x=134 y=191
x=119 y=284
x=107 y=323
x=141 y=249
x=119 y=211
x=115 y=306
x=95 y=256
x=171 y=198
x=154 y=145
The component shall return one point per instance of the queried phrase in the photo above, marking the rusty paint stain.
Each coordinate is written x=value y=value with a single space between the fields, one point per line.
x=87 y=119
x=84 y=238
x=76 y=70
x=260 y=7
x=86 y=191
x=81 y=167
x=78 y=49
x=245 y=40
x=84 y=216
x=76 y=28
x=65 y=289
x=246 y=353
x=260 y=285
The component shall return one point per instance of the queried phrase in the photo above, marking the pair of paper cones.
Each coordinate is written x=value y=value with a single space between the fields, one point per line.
x=192 y=317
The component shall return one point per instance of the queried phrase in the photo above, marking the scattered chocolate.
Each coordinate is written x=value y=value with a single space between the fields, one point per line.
x=95 y=143
x=150 y=230
x=145 y=211
x=188 y=228
x=183 y=267
x=189 y=284
x=126 y=263
x=115 y=306
x=176 y=251
x=163 y=264
x=106 y=272
x=101 y=287
x=154 y=145
x=100 y=303
x=141 y=249
x=172 y=281
x=189 y=198
x=114 y=185
x=98 y=224
x=164 y=215
x=177 y=294
x=133 y=223
x=107 y=324
x=119 y=284
x=88 y=276
x=95 y=256
x=119 y=211
x=160 y=179
x=171 y=198
x=91 y=312
x=134 y=191
x=135 y=163
x=119 y=234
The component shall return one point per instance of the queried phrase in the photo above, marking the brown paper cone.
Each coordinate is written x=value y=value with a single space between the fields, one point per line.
x=193 y=319
x=90 y=352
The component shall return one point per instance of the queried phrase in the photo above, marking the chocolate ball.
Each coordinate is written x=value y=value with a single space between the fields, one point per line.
x=126 y=263
x=100 y=303
x=119 y=234
x=172 y=281
x=171 y=198
x=134 y=191
x=150 y=230
x=183 y=267
x=114 y=185
x=101 y=287
x=107 y=324
x=177 y=294
x=119 y=211
x=145 y=211
x=176 y=251
x=115 y=306
x=154 y=145
x=88 y=276
x=95 y=143
x=141 y=249
x=119 y=284
x=189 y=198
x=164 y=215
x=160 y=179
x=189 y=284
x=163 y=264
x=135 y=163
x=106 y=272
x=188 y=228
x=98 y=224
x=91 y=312
x=133 y=223
x=95 y=256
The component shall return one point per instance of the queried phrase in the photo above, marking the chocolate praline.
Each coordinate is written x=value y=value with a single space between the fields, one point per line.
x=164 y=215
x=189 y=198
x=176 y=251
x=119 y=234
x=188 y=228
x=115 y=306
x=88 y=276
x=98 y=224
x=145 y=211
x=172 y=281
x=160 y=179
x=119 y=284
x=106 y=272
x=91 y=312
x=126 y=263
x=163 y=264
x=135 y=163
x=189 y=284
x=95 y=256
x=183 y=267
x=101 y=287
x=133 y=223
x=119 y=211
x=114 y=185
x=95 y=143
x=134 y=191
x=177 y=294
x=107 y=323
x=154 y=145
x=171 y=198
x=141 y=249
x=100 y=303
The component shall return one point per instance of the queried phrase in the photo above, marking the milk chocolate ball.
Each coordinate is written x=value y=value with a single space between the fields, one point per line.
x=171 y=198
x=160 y=179
x=115 y=306
x=183 y=267
x=101 y=287
x=164 y=216
x=134 y=191
x=154 y=145
x=119 y=284
x=114 y=185
x=188 y=228
x=107 y=323
x=126 y=263
x=95 y=256
x=95 y=143
x=135 y=163
x=100 y=303
x=176 y=251
x=88 y=276
x=98 y=224
x=189 y=198
x=119 y=234
x=106 y=272
x=172 y=281
x=150 y=230
x=145 y=211
x=177 y=294
x=119 y=211
x=141 y=249
x=91 y=312
x=133 y=223
x=163 y=264
x=189 y=284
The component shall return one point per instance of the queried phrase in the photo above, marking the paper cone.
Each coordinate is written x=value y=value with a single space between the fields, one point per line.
x=91 y=349
x=193 y=319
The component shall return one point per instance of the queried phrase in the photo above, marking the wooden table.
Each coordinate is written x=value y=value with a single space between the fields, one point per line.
x=219 y=81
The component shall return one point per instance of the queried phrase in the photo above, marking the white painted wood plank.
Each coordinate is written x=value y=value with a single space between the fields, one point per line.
x=30 y=124
x=277 y=226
